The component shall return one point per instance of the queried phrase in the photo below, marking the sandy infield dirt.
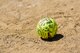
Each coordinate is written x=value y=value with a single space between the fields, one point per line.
x=18 y=20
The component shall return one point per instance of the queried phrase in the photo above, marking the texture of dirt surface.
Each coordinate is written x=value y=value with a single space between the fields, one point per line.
x=18 y=20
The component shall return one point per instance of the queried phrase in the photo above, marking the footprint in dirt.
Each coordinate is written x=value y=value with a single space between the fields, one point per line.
x=55 y=38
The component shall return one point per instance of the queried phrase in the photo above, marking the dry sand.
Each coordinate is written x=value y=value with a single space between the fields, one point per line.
x=18 y=20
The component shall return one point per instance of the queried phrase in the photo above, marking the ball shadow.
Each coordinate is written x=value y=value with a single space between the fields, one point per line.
x=55 y=38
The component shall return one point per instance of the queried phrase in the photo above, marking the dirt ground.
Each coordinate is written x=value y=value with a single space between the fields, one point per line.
x=18 y=20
